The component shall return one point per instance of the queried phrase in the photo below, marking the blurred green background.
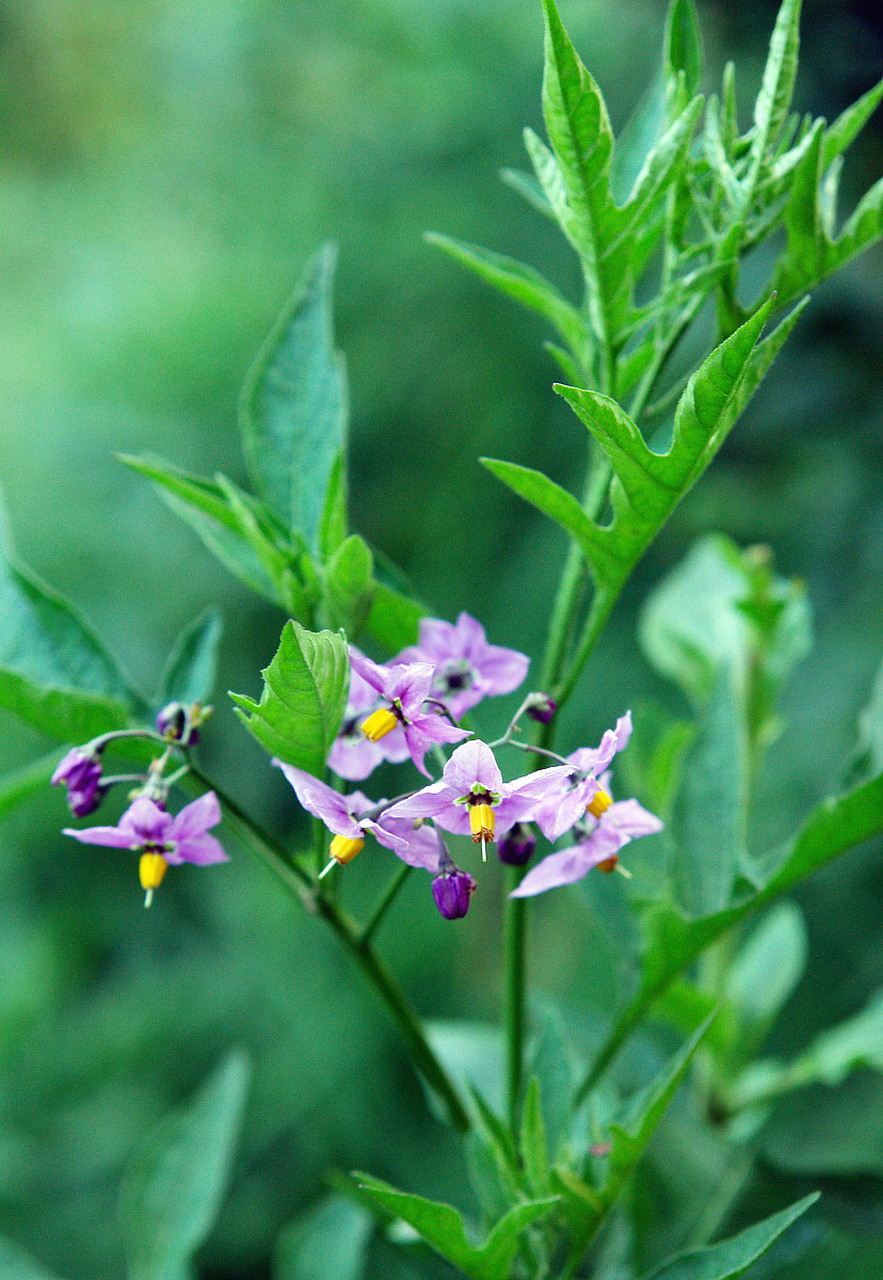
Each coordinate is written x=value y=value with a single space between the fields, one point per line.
x=165 y=169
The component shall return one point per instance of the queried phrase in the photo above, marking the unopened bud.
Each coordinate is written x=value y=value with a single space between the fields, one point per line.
x=517 y=846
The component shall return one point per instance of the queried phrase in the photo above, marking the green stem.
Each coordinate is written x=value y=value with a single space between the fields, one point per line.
x=515 y=950
x=387 y=898
x=301 y=886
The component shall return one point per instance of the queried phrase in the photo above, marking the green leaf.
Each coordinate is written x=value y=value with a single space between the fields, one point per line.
x=682 y=43
x=19 y=785
x=189 y=673
x=333 y=528
x=849 y=124
x=520 y=282
x=175 y=1183
x=303 y=699
x=15 y=1264
x=472 y=1054
x=777 y=88
x=551 y=1064
x=871 y=725
x=769 y=966
x=393 y=619
x=533 y=1141
x=55 y=674
x=673 y=943
x=442 y=1228
x=731 y=1258
x=293 y=409
x=350 y=586
x=328 y=1242
x=629 y=1138
x=529 y=189
x=203 y=505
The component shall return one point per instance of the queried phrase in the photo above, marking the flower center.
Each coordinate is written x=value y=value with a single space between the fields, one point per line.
x=380 y=723
x=599 y=804
x=344 y=848
x=481 y=823
x=453 y=677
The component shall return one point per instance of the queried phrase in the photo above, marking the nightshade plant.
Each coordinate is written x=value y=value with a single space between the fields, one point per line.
x=660 y=222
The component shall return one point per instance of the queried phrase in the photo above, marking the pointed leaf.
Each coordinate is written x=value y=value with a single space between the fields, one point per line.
x=303 y=699
x=328 y=1242
x=529 y=189
x=293 y=409
x=849 y=124
x=552 y=1065
x=533 y=1141
x=174 y=1186
x=634 y=464
x=731 y=1258
x=334 y=524
x=393 y=619
x=682 y=44
x=189 y=673
x=774 y=99
x=55 y=674
x=520 y=282
x=442 y=1228
x=350 y=586
x=769 y=966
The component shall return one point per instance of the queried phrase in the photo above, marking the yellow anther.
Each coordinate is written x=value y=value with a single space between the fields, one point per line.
x=344 y=848
x=481 y=823
x=601 y=802
x=151 y=868
x=379 y=724
x=610 y=864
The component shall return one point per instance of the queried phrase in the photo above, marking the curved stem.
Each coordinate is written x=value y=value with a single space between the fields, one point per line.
x=300 y=884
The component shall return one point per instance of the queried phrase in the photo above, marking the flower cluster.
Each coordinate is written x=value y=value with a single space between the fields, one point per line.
x=406 y=707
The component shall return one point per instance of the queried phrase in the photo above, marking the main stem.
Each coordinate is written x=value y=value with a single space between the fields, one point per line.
x=301 y=885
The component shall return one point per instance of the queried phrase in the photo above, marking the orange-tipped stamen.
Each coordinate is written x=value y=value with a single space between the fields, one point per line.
x=151 y=869
x=609 y=864
x=344 y=848
x=600 y=803
x=379 y=724
x=481 y=824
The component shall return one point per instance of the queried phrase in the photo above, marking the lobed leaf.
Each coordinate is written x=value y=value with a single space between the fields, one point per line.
x=175 y=1183
x=293 y=408
x=441 y=1226
x=303 y=699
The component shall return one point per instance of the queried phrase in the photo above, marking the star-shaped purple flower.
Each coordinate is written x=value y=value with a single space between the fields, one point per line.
x=472 y=798
x=404 y=689
x=467 y=668
x=566 y=802
x=353 y=756
x=622 y=821
x=347 y=816
x=144 y=827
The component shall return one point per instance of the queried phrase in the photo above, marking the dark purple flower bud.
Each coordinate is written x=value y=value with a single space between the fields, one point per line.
x=452 y=891
x=517 y=846
x=176 y=723
x=81 y=774
x=541 y=707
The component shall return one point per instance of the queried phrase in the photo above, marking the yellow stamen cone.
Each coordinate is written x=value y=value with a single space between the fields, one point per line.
x=481 y=823
x=344 y=848
x=151 y=869
x=379 y=724
x=600 y=803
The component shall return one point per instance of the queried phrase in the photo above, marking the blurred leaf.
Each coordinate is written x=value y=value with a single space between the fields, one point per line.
x=731 y=1258
x=328 y=1242
x=393 y=619
x=293 y=409
x=769 y=965
x=15 y=1264
x=871 y=725
x=350 y=586
x=189 y=673
x=332 y=530
x=588 y=1206
x=818 y=1130
x=552 y=1066
x=176 y=1182
x=682 y=44
x=303 y=699
x=55 y=674
x=20 y=785
x=442 y=1228
x=472 y=1053
x=534 y=1153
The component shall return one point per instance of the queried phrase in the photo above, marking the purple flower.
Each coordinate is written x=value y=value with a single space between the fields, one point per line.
x=347 y=818
x=353 y=756
x=541 y=707
x=620 y=822
x=80 y=771
x=404 y=688
x=145 y=827
x=471 y=797
x=467 y=668
x=573 y=793
x=452 y=889
x=175 y=722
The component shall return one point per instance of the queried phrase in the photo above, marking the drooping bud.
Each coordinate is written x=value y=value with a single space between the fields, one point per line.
x=344 y=848
x=80 y=771
x=452 y=890
x=517 y=845
x=172 y=722
x=379 y=724
x=541 y=707
x=599 y=803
